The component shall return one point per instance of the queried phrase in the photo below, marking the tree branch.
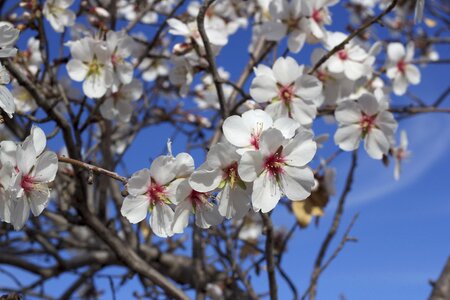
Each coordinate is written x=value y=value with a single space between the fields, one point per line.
x=210 y=56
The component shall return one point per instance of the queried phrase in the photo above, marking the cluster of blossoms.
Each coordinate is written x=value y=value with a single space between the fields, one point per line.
x=259 y=162
x=25 y=174
x=266 y=148
x=105 y=69
x=8 y=36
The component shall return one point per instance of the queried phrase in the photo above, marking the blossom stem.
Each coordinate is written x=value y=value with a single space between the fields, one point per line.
x=92 y=168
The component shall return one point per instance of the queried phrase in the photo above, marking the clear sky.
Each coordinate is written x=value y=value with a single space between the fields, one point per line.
x=403 y=227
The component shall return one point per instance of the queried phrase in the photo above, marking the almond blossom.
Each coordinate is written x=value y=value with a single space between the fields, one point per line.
x=279 y=168
x=33 y=169
x=400 y=68
x=319 y=16
x=8 y=36
x=290 y=92
x=91 y=63
x=155 y=190
x=58 y=14
x=353 y=60
x=220 y=172
x=118 y=106
x=287 y=19
x=120 y=46
x=216 y=32
x=336 y=87
x=199 y=203
x=400 y=153
x=245 y=131
x=23 y=100
x=32 y=55
x=6 y=98
x=365 y=118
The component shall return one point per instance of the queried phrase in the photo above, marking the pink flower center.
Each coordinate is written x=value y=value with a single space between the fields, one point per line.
x=321 y=75
x=198 y=198
x=156 y=193
x=274 y=164
x=255 y=135
x=343 y=55
x=317 y=15
x=116 y=59
x=401 y=66
x=367 y=123
x=401 y=154
x=254 y=140
x=286 y=93
x=27 y=183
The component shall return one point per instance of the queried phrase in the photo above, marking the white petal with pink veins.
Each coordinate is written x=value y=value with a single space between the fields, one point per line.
x=348 y=137
x=266 y=193
x=135 y=208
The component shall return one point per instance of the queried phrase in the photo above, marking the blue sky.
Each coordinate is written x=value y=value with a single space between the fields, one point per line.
x=403 y=226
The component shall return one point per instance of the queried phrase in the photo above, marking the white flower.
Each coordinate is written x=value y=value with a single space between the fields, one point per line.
x=181 y=74
x=206 y=93
x=120 y=45
x=353 y=60
x=279 y=168
x=6 y=98
x=418 y=11
x=58 y=14
x=288 y=19
x=290 y=92
x=91 y=63
x=252 y=227
x=23 y=100
x=400 y=69
x=6 y=194
x=319 y=16
x=34 y=169
x=216 y=33
x=245 y=132
x=152 y=68
x=131 y=9
x=400 y=153
x=32 y=55
x=8 y=36
x=118 y=105
x=154 y=189
x=336 y=87
x=220 y=172
x=192 y=201
x=367 y=119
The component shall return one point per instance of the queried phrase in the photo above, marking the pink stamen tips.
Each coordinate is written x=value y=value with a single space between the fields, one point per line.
x=343 y=55
x=317 y=16
x=255 y=136
x=115 y=59
x=254 y=141
x=321 y=75
x=274 y=164
x=401 y=66
x=156 y=193
x=286 y=93
x=367 y=123
x=198 y=198
x=27 y=183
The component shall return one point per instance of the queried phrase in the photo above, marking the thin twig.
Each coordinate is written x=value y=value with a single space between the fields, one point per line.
x=270 y=258
x=210 y=56
x=355 y=33
x=92 y=168
x=311 y=291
